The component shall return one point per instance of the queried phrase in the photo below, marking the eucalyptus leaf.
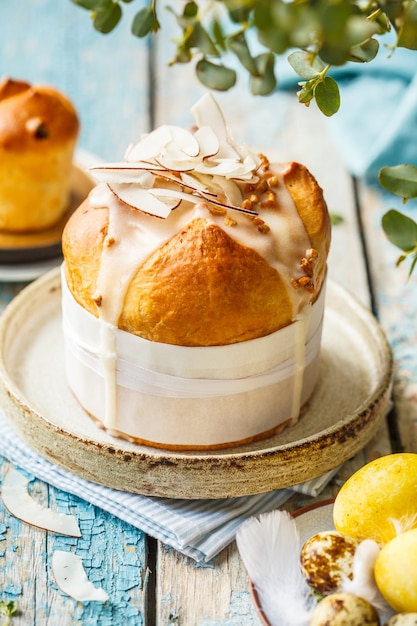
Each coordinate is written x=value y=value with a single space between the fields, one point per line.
x=327 y=96
x=400 y=180
x=190 y=10
x=218 y=35
x=364 y=53
x=106 y=20
x=265 y=82
x=214 y=76
x=305 y=64
x=90 y=5
x=144 y=22
x=413 y=263
x=306 y=93
x=400 y=230
x=201 y=39
x=239 y=46
x=407 y=34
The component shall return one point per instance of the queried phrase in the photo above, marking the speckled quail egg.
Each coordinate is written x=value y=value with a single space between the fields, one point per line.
x=344 y=609
x=402 y=619
x=326 y=558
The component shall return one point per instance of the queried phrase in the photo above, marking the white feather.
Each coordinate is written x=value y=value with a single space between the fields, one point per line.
x=363 y=582
x=270 y=549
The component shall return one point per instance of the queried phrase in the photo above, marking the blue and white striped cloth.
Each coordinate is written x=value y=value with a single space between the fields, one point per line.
x=199 y=529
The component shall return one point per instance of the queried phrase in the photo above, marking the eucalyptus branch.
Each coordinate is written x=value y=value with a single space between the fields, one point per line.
x=317 y=36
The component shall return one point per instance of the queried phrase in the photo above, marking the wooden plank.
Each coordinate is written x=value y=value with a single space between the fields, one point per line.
x=203 y=596
x=113 y=553
x=396 y=298
x=106 y=76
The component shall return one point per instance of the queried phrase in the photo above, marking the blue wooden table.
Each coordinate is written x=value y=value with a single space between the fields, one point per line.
x=121 y=88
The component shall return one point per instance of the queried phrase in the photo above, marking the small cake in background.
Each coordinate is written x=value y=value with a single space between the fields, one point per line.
x=193 y=290
x=38 y=132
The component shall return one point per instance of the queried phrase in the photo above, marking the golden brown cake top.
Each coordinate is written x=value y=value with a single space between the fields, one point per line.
x=34 y=117
x=195 y=240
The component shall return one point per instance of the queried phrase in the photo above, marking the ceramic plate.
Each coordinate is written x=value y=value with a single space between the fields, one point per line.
x=25 y=256
x=347 y=408
x=312 y=519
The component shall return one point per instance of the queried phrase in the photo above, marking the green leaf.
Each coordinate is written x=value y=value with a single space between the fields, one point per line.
x=106 y=19
x=183 y=54
x=327 y=96
x=215 y=76
x=239 y=46
x=365 y=52
x=8 y=608
x=218 y=35
x=400 y=180
x=265 y=82
x=201 y=39
x=400 y=230
x=305 y=64
x=90 y=5
x=407 y=35
x=306 y=93
x=190 y=10
x=413 y=264
x=336 y=219
x=144 y=22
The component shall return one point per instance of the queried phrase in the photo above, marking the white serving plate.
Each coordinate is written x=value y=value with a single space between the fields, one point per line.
x=347 y=408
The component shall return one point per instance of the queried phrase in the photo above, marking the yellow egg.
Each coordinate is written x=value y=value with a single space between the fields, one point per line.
x=396 y=572
x=379 y=500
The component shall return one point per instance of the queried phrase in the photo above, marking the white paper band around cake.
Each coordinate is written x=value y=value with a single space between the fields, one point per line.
x=190 y=397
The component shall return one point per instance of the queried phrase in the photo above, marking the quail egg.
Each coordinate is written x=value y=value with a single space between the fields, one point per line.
x=326 y=559
x=344 y=609
x=402 y=619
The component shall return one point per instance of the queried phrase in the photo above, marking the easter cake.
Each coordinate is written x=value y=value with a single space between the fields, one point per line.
x=193 y=290
x=39 y=128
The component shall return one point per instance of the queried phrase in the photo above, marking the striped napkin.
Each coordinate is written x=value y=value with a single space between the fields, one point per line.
x=199 y=529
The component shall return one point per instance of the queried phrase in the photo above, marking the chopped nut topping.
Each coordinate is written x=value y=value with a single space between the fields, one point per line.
x=304 y=281
x=249 y=187
x=270 y=200
x=253 y=198
x=263 y=228
x=109 y=241
x=273 y=181
x=98 y=300
x=312 y=255
x=307 y=267
x=261 y=186
x=217 y=210
x=246 y=204
x=229 y=221
x=264 y=162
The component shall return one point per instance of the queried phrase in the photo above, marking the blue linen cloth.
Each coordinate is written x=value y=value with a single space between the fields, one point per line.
x=376 y=124
x=199 y=529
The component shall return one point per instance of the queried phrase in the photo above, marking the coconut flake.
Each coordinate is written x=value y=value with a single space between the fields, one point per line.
x=124 y=173
x=141 y=199
x=208 y=113
x=203 y=163
x=71 y=578
x=17 y=500
x=208 y=141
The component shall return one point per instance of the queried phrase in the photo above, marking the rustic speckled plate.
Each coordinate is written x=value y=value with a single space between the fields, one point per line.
x=345 y=412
